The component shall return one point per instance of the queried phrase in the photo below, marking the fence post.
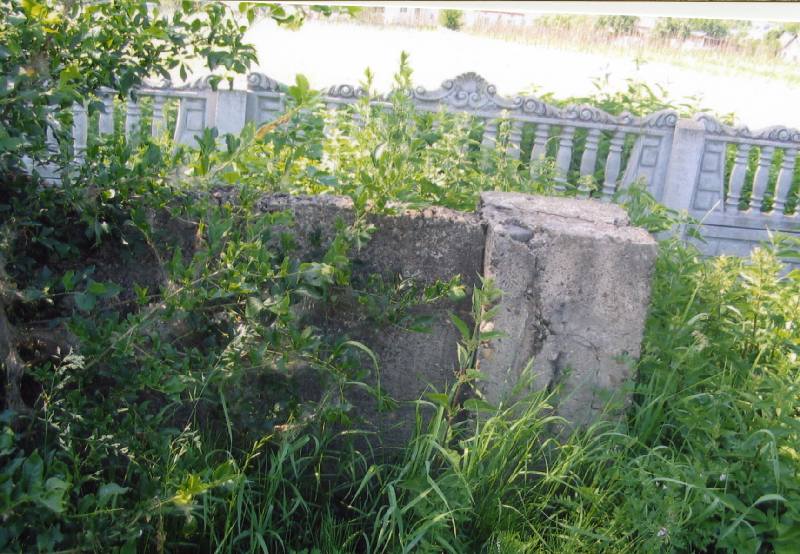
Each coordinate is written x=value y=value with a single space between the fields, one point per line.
x=80 y=131
x=230 y=111
x=224 y=109
x=683 y=167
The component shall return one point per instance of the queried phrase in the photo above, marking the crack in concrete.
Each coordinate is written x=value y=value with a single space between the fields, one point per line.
x=615 y=223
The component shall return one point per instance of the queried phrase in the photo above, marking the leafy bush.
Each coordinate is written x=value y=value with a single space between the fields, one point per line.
x=55 y=54
x=451 y=19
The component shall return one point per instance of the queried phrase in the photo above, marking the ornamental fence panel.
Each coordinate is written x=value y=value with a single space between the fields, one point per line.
x=740 y=184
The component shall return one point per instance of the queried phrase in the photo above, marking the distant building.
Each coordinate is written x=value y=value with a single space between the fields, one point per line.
x=699 y=39
x=481 y=18
x=410 y=16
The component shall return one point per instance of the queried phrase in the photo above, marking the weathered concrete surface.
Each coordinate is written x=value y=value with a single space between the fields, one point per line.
x=576 y=282
x=434 y=244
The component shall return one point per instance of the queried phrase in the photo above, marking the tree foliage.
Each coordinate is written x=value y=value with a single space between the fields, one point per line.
x=54 y=54
x=682 y=28
x=618 y=24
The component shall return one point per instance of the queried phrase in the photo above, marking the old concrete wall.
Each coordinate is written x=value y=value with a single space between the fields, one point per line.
x=576 y=282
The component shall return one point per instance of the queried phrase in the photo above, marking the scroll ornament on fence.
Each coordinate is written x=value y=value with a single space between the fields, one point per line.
x=263 y=83
x=777 y=133
x=471 y=91
x=347 y=92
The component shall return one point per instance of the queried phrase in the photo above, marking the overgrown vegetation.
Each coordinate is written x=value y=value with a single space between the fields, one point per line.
x=451 y=19
x=157 y=410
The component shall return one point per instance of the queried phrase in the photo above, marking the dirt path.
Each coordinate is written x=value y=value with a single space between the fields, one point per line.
x=331 y=53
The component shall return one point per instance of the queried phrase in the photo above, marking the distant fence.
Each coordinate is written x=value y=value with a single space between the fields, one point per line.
x=739 y=183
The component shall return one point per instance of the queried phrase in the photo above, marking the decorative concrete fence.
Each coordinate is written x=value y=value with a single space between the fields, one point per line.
x=739 y=183
x=710 y=176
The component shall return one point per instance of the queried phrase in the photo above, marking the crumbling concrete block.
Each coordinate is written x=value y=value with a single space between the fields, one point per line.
x=576 y=282
x=575 y=278
x=424 y=246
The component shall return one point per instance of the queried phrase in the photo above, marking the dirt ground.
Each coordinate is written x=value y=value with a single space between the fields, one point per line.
x=332 y=53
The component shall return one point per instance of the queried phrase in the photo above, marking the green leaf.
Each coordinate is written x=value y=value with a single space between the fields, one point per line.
x=226 y=471
x=53 y=497
x=109 y=491
x=85 y=302
x=770 y=498
x=253 y=307
x=98 y=289
x=438 y=398
x=68 y=280
x=462 y=327
x=32 y=471
x=32 y=294
x=300 y=91
x=68 y=74
x=457 y=292
x=478 y=405
x=106 y=290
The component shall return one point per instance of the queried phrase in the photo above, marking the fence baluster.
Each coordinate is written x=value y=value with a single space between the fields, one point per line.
x=80 y=130
x=784 y=183
x=589 y=158
x=761 y=178
x=489 y=139
x=132 y=118
x=514 y=139
x=564 y=156
x=539 y=152
x=738 y=172
x=158 y=124
x=106 y=117
x=613 y=163
x=50 y=135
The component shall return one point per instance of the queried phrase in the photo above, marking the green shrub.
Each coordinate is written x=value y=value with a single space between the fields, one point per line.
x=451 y=19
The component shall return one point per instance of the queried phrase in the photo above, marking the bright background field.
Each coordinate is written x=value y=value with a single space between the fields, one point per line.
x=331 y=53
